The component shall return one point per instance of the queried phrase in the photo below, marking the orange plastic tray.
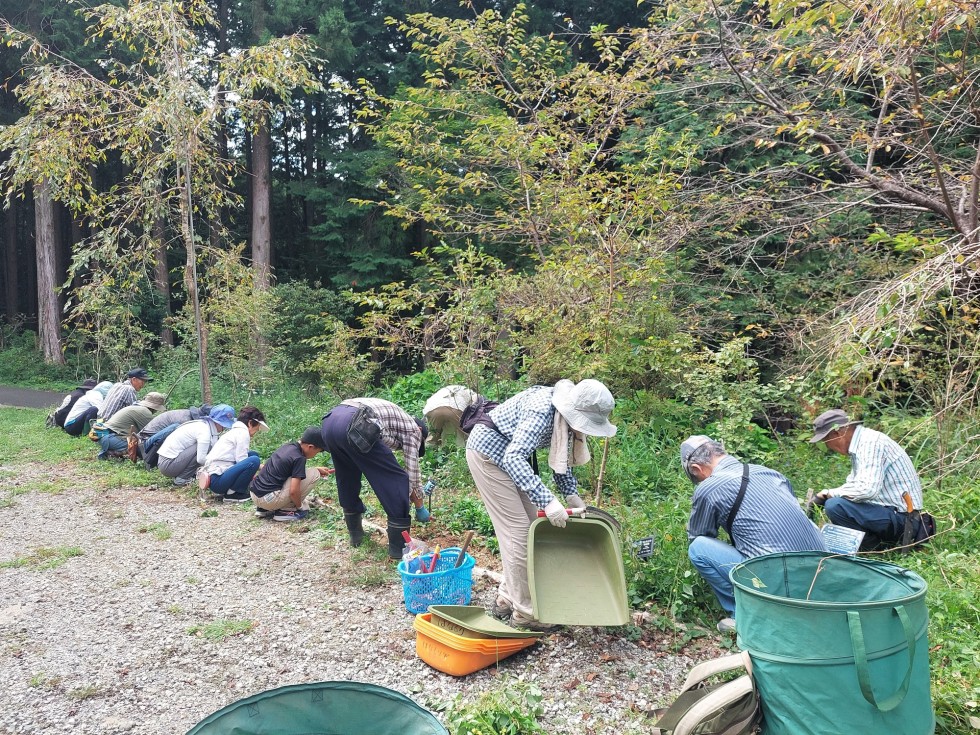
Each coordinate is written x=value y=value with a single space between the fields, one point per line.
x=459 y=656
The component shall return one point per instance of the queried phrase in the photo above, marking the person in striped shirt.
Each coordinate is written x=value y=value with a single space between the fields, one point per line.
x=873 y=498
x=768 y=520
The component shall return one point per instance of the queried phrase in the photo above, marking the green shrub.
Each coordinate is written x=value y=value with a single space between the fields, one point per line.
x=512 y=709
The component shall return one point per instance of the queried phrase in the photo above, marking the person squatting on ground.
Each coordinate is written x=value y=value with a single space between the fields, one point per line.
x=499 y=460
x=872 y=499
x=129 y=420
x=186 y=448
x=442 y=413
x=283 y=482
x=58 y=416
x=160 y=427
x=396 y=488
x=769 y=518
x=86 y=408
x=123 y=394
x=231 y=464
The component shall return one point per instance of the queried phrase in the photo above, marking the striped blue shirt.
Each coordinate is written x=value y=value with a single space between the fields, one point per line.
x=880 y=472
x=120 y=396
x=524 y=424
x=769 y=520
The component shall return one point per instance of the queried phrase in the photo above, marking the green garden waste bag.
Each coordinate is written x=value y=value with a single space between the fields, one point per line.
x=322 y=708
x=838 y=644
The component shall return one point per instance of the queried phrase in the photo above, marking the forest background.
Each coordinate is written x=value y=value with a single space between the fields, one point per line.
x=736 y=214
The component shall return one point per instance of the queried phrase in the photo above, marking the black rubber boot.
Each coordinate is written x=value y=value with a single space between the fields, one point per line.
x=354 y=528
x=396 y=542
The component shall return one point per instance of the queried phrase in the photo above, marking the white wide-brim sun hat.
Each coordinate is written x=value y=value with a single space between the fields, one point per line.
x=585 y=406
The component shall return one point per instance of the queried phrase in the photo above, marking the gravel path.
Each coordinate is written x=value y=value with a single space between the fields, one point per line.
x=103 y=595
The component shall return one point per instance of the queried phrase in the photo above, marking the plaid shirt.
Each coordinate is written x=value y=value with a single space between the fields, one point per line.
x=398 y=431
x=524 y=424
x=880 y=472
x=119 y=396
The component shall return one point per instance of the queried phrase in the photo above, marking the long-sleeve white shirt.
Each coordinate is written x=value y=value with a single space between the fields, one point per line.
x=202 y=433
x=881 y=472
x=92 y=399
x=231 y=448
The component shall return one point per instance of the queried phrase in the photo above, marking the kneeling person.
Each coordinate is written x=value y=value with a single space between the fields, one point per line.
x=280 y=488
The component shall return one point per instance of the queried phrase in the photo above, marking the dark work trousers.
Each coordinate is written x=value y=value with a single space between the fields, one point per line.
x=151 y=446
x=386 y=477
x=882 y=525
x=81 y=424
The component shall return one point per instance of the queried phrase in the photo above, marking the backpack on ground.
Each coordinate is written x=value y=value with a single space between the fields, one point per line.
x=476 y=413
x=728 y=708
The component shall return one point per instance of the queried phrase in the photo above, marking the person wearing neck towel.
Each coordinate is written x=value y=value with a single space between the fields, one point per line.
x=560 y=418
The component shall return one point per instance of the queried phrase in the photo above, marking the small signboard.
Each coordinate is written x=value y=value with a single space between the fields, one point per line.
x=643 y=549
x=841 y=540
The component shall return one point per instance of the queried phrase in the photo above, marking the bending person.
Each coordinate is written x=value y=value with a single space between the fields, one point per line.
x=187 y=446
x=499 y=460
x=86 y=408
x=280 y=488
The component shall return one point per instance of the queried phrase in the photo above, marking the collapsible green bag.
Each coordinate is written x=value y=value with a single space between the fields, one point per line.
x=838 y=644
x=322 y=708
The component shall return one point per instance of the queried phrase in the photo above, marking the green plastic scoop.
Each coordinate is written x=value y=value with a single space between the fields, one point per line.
x=471 y=621
x=576 y=573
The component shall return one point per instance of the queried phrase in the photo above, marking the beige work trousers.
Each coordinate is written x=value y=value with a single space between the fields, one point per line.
x=279 y=499
x=511 y=513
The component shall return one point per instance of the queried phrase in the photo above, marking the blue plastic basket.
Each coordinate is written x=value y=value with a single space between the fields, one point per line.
x=447 y=585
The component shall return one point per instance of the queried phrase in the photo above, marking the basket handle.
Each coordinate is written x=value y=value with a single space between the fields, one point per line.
x=861 y=660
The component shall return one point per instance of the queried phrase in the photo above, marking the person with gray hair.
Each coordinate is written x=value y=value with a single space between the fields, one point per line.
x=754 y=504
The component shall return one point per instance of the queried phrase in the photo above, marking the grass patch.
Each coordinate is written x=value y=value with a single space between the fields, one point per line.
x=88 y=691
x=40 y=680
x=44 y=557
x=220 y=629
x=162 y=531
x=7 y=501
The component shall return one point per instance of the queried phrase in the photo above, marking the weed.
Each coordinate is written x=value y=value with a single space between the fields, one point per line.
x=43 y=681
x=220 y=629
x=44 y=557
x=209 y=513
x=161 y=530
x=88 y=691
x=512 y=709
x=175 y=609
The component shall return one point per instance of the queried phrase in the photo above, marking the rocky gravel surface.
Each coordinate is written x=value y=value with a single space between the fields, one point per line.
x=106 y=598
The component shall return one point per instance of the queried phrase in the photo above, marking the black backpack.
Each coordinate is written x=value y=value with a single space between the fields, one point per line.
x=476 y=413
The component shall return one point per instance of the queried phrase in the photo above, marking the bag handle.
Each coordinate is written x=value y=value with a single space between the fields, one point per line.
x=716 y=666
x=722 y=697
x=861 y=660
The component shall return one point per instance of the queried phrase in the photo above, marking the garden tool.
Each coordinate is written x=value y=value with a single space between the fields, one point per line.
x=910 y=519
x=462 y=549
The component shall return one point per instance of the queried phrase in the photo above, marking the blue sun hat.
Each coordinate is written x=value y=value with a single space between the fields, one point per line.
x=223 y=415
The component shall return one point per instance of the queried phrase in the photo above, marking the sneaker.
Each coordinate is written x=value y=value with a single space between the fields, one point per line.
x=288 y=516
x=532 y=624
x=181 y=481
x=233 y=498
x=501 y=609
x=726 y=625
x=263 y=513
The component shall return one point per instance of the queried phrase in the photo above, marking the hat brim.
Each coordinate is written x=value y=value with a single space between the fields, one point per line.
x=223 y=424
x=561 y=399
x=263 y=426
x=821 y=435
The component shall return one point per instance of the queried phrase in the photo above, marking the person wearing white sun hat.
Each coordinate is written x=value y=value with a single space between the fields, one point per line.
x=500 y=460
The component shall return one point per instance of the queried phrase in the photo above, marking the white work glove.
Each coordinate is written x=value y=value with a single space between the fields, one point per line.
x=556 y=513
x=574 y=501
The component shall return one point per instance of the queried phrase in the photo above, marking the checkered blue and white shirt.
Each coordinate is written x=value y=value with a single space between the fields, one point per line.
x=524 y=424
x=880 y=472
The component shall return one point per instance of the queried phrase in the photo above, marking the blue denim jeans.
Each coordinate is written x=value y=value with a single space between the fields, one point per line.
x=112 y=443
x=235 y=480
x=714 y=559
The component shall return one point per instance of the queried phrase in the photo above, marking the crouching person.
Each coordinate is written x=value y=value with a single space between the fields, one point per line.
x=231 y=464
x=754 y=504
x=283 y=482
x=114 y=441
x=187 y=447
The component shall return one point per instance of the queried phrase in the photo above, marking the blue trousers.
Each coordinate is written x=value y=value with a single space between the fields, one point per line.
x=387 y=478
x=151 y=447
x=714 y=559
x=112 y=443
x=81 y=424
x=235 y=480
x=880 y=523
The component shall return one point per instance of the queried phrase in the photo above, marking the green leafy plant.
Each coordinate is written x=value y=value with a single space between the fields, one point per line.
x=511 y=709
x=44 y=557
x=220 y=629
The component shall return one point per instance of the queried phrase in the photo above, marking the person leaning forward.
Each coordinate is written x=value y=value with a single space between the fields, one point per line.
x=395 y=487
x=124 y=393
x=283 y=482
x=129 y=420
x=882 y=476
x=768 y=520
x=558 y=417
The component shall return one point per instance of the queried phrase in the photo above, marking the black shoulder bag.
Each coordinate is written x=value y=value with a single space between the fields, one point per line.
x=738 y=502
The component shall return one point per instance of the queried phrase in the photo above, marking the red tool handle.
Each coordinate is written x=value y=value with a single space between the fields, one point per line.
x=407 y=537
x=570 y=511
